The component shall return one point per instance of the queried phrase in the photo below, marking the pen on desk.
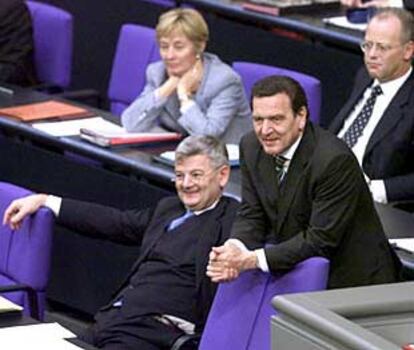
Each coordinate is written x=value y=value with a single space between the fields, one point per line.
x=6 y=90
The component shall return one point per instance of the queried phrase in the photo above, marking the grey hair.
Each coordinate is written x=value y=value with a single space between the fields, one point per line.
x=405 y=17
x=207 y=145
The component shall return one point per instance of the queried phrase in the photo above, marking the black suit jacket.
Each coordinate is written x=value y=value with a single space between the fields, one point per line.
x=389 y=155
x=146 y=228
x=16 y=43
x=323 y=209
x=408 y=4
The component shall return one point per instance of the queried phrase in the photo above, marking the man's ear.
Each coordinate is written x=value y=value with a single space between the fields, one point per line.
x=303 y=115
x=224 y=175
x=409 y=51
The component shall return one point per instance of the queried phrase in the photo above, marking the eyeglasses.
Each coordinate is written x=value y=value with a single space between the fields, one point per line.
x=196 y=176
x=381 y=47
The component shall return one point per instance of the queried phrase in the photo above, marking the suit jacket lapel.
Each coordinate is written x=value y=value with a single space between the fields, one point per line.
x=295 y=173
x=346 y=110
x=268 y=182
x=392 y=114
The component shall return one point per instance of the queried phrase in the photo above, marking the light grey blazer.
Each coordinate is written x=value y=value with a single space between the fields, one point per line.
x=220 y=109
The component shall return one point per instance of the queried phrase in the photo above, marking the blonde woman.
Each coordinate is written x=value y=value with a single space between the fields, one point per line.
x=189 y=91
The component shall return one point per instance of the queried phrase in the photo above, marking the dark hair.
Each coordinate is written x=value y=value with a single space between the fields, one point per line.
x=207 y=145
x=278 y=84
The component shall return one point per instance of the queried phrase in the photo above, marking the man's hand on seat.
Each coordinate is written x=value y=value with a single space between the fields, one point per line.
x=20 y=208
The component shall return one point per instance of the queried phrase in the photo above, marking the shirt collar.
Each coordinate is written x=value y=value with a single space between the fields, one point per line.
x=211 y=207
x=391 y=87
x=290 y=152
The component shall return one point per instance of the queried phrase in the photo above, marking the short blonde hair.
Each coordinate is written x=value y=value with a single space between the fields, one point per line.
x=188 y=21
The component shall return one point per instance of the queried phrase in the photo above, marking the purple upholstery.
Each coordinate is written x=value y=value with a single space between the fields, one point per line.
x=136 y=48
x=25 y=253
x=52 y=34
x=165 y=3
x=240 y=316
x=252 y=72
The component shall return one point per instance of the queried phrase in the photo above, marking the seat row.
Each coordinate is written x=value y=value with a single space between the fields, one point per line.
x=136 y=48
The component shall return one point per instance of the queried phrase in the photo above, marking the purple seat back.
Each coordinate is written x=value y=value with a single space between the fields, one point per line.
x=136 y=48
x=165 y=3
x=240 y=315
x=25 y=253
x=252 y=72
x=52 y=35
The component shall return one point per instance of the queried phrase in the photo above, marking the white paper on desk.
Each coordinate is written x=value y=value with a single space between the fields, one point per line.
x=341 y=21
x=42 y=336
x=72 y=127
x=403 y=243
x=6 y=305
x=232 y=150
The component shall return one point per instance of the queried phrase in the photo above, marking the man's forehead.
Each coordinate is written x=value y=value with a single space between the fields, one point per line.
x=263 y=105
x=390 y=25
x=194 y=162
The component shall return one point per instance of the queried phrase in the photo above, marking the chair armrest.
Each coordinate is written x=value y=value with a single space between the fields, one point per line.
x=186 y=342
x=31 y=295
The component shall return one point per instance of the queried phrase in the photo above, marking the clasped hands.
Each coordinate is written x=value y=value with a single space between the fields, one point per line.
x=228 y=261
x=186 y=84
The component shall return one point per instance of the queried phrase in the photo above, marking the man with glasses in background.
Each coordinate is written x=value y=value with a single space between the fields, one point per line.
x=166 y=294
x=377 y=121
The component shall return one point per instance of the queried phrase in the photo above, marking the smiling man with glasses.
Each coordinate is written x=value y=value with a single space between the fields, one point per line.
x=377 y=121
x=166 y=293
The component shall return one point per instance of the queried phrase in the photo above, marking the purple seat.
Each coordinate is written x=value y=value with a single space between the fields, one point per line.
x=25 y=254
x=164 y=3
x=240 y=315
x=252 y=72
x=52 y=35
x=136 y=48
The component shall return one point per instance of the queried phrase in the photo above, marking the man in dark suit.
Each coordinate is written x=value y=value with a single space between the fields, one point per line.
x=303 y=195
x=384 y=142
x=166 y=293
x=16 y=43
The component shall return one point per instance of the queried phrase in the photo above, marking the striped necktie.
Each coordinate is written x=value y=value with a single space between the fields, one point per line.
x=280 y=167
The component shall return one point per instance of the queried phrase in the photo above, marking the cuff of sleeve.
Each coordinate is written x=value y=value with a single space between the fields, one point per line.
x=53 y=203
x=261 y=260
x=378 y=191
x=185 y=107
x=238 y=243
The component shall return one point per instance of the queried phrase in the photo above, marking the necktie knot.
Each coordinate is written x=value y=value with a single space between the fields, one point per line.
x=180 y=220
x=376 y=91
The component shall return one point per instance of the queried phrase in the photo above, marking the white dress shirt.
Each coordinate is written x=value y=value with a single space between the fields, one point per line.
x=389 y=90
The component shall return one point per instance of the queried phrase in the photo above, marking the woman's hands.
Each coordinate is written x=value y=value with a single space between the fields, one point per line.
x=186 y=85
x=190 y=81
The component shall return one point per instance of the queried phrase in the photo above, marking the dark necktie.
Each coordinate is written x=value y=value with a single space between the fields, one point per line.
x=180 y=220
x=280 y=167
x=357 y=127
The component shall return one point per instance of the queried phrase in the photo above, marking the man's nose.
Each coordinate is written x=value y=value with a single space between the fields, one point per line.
x=187 y=180
x=267 y=126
